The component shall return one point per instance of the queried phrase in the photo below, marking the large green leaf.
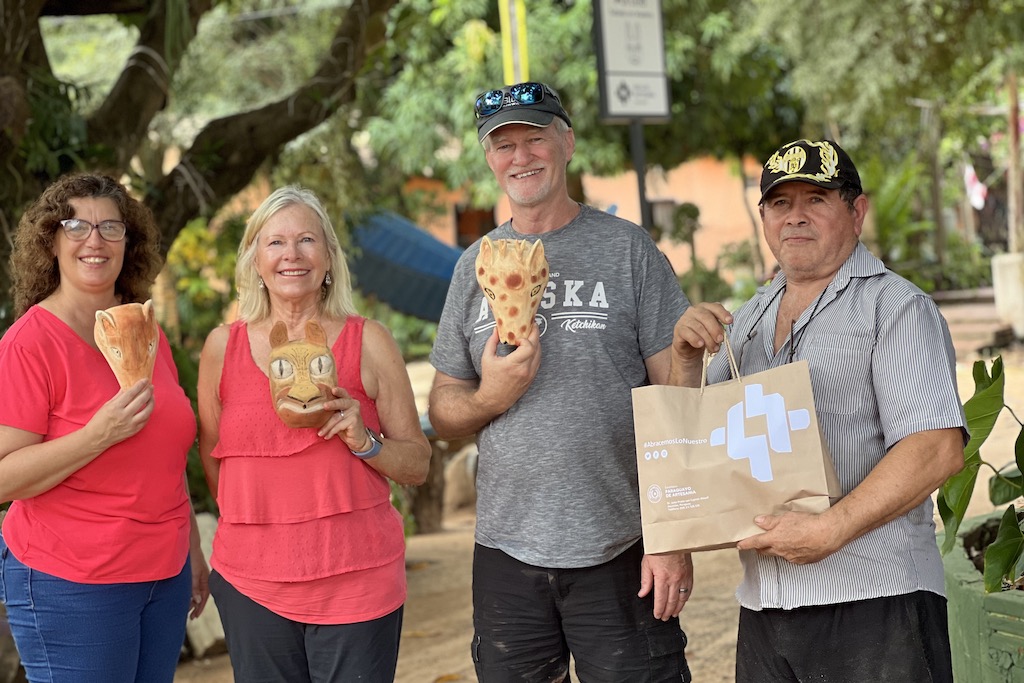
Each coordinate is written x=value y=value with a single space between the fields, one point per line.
x=981 y=411
x=982 y=379
x=983 y=408
x=1018 y=450
x=1006 y=486
x=1002 y=556
x=953 y=498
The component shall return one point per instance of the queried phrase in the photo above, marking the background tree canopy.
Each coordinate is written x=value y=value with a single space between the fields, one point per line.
x=352 y=97
x=191 y=100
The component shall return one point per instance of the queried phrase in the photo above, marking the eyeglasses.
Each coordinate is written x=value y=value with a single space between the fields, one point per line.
x=490 y=102
x=78 y=229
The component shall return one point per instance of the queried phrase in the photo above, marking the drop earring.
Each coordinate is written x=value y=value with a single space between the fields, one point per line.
x=262 y=284
x=327 y=280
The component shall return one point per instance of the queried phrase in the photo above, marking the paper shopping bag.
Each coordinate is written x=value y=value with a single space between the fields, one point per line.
x=710 y=459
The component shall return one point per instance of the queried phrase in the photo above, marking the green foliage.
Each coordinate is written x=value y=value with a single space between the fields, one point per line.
x=1004 y=558
x=685 y=223
x=201 y=263
x=245 y=55
x=967 y=266
x=898 y=190
x=703 y=284
x=400 y=499
x=188 y=374
x=56 y=134
x=449 y=52
x=88 y=52
x=414 y=337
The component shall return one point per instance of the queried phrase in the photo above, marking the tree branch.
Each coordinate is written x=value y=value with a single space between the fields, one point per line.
x=65 y=8
x=226 y=154
x=120 y=123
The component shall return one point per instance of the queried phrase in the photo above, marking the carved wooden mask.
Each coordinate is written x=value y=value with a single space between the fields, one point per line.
x=513 y=275
x=302 y=375
x=128 y=338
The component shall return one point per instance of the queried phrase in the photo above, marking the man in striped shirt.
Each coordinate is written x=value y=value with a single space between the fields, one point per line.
x=855 y=593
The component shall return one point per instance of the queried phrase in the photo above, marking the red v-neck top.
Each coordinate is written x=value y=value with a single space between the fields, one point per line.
x=124 y=517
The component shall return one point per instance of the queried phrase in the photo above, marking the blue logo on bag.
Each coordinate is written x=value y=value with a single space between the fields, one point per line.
x=755 y=448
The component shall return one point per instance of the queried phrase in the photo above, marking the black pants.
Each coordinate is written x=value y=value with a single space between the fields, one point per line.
x=527 y=621
x=900 y=639
x=268 y=648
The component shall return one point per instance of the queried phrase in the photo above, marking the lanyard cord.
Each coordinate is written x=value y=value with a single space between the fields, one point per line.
x=795 y=339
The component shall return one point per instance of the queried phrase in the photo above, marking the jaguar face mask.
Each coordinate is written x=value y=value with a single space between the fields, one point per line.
x=512 y=275
x=128 y=337
x=302 y=375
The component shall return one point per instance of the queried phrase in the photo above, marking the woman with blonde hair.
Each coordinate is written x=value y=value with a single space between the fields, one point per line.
x=309 y=555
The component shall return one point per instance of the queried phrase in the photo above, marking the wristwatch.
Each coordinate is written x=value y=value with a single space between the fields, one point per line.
x=374 y=449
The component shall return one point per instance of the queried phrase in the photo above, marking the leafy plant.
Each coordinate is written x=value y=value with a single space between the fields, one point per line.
x=1004 y=557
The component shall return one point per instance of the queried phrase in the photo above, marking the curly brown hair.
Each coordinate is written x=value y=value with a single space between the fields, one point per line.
x=34 y=269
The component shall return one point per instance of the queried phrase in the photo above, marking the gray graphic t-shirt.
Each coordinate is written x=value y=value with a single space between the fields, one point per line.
x=557 y=482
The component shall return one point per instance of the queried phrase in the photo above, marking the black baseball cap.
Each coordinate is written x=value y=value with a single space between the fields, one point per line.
x=822 y=163
x=534 y=104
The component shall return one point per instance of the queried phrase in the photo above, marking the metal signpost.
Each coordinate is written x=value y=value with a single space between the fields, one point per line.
x=513 y=41
x=630 y=50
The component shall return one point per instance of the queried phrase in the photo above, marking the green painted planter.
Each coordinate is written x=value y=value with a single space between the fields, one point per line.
x=986 y=631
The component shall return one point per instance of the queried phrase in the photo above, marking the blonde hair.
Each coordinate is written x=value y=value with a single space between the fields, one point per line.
x=254 y=302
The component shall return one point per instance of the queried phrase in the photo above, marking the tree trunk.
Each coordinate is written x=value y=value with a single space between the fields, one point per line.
x=936 y=199
x=1015 y=236
x=759 y=266
x=427 y=499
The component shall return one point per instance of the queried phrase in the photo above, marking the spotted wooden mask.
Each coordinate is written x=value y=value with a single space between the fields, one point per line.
x=302 y=375
x=513 y=275
x=128 y=338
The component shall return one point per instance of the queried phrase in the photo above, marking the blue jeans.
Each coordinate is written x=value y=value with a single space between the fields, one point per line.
x=69 y=632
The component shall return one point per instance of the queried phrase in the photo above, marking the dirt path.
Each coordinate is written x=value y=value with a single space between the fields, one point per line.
x=438 y=618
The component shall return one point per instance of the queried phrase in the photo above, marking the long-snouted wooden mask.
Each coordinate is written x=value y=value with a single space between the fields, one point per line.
x=512 y=275
x=128 y=337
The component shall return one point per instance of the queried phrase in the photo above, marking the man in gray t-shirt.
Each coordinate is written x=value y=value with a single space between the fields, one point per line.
x=559 y=567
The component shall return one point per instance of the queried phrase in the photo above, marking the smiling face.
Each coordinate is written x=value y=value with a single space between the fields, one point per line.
x=291 y=256
x=92 y=265
x=811 y=230
x=529 y=162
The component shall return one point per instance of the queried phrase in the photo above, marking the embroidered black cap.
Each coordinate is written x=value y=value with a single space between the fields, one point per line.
x=822 y=163
x=534 y=104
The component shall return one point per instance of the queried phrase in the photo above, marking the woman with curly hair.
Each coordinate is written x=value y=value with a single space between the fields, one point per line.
x=99 y=558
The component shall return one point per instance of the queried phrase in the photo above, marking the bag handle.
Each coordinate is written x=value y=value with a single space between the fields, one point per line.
x=733 y=366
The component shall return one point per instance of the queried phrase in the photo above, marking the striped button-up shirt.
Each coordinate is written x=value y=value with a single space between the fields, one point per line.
x=882 y=368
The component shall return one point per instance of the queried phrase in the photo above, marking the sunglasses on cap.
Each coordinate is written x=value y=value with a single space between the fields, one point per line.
x=492 y=101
